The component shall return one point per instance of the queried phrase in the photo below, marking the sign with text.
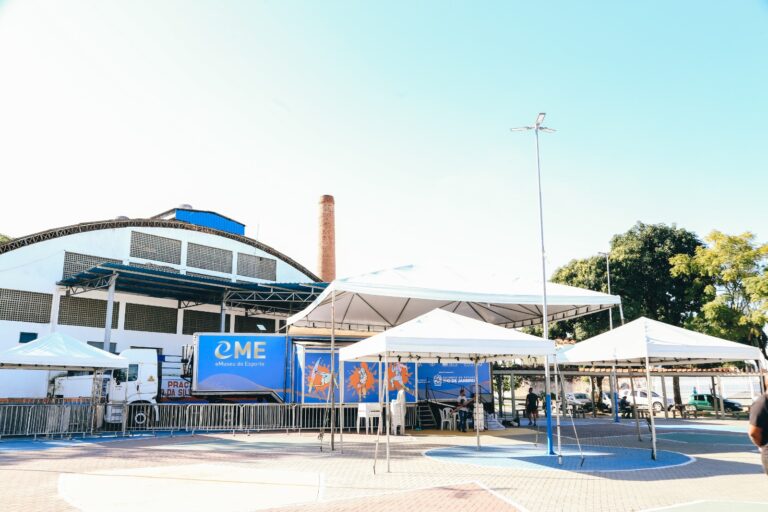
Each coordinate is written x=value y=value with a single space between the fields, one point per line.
x=445 y=380
x=240 y=363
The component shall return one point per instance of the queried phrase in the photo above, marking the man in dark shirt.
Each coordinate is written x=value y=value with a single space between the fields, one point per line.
x=532 y=407
x=758 y=427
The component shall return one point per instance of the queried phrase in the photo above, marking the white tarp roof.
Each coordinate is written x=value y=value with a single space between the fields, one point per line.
x=386 y=298
x=444 y=336
x=629 y=344
x=59 y=351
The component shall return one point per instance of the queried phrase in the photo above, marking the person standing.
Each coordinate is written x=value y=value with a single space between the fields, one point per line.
x=531 y=407
x=462 y=410
x=758 y=427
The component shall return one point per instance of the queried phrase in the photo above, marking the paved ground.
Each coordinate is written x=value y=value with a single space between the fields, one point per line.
x=286 y=472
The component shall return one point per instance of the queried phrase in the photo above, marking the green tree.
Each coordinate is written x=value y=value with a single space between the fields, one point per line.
x=641 y=275
x=4 y=238
x=737 y=305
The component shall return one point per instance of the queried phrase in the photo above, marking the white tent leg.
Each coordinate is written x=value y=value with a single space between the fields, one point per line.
x=378 y=424
x=634 y=404
x=561 y=389
x=615 y=395
x=388 y=426
x=664 y=396
x=477 y=406
x=333 y=369
x=721 y=396
x=650 y=407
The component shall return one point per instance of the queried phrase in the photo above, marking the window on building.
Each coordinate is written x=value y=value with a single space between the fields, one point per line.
x=26 y=337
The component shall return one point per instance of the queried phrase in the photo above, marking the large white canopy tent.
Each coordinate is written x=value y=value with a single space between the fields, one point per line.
x=443 y=336
x=645 y=342
x=58 y=351
x=387 y=298
x=384 y=299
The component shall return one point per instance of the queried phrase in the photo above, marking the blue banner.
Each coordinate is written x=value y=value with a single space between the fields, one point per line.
x=445 y=380
x=240 y=363
x=402 y=376
x=317 y=377
x=361 y=382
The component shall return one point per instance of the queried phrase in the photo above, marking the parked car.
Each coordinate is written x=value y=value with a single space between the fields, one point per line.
x=641 y=398
x=705 y=402
x=579 y=399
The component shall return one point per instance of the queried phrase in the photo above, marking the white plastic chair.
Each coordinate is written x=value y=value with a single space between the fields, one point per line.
x=368 y=412
x=398 y=413
x=446 y=418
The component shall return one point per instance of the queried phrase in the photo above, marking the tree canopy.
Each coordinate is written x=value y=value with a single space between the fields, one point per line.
x=641 y=275
x=4 y=238
x=736 y=267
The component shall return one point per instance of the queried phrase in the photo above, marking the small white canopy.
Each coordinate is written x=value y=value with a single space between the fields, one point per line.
x=661 y=343
x=59 y=351
x=387 y=298
x=443 y=336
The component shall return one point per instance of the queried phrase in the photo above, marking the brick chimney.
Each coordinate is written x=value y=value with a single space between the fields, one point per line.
x=327 y=246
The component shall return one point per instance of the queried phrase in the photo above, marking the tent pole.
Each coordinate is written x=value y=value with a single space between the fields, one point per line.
x=615 y=395
x=388 y=426
x=634 y=403
x=378 y=424
x=514 y=404
x=713 y=392
x=477 y=406
x=664 y=396
x=548 y=406
x=650 y=406
x=561 y=390
x=720 y=396
x=333 y=369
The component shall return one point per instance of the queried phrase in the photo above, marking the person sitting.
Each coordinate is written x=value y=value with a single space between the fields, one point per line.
x=625 y=408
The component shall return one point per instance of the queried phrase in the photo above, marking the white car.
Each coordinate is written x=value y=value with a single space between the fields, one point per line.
x=580 y=399
x=641 y=398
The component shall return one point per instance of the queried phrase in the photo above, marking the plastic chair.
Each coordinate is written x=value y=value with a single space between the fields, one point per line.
x=446 y=417
x=368 y=412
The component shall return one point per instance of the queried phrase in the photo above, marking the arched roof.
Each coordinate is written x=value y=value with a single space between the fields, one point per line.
x=85 y=227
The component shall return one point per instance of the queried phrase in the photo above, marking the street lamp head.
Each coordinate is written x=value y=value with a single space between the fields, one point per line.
x=540 y=119
x=546 y=130
x=522 y=129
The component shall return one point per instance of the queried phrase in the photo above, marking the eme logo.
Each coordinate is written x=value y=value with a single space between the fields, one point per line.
x=247 y=350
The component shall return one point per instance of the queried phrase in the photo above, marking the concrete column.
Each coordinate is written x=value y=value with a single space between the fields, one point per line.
x=110 y=308
x=55 y=301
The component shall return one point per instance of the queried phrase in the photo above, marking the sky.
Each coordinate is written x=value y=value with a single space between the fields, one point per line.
x=401 y=110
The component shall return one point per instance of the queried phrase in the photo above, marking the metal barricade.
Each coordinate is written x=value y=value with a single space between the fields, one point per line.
x=155 y=417
x=208 y=417
x=260 y=417
x=48 y=419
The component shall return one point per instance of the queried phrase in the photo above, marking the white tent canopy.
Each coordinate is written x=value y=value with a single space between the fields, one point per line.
x=645 y=342
x=59 y=351
x=443 y=336
x=661 y=343
x=387 y=298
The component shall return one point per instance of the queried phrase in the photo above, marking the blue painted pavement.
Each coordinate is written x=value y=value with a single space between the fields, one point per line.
x=596 y=458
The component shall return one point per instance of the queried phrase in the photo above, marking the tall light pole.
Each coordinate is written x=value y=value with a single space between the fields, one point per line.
x=608 y=271
x=537 y=127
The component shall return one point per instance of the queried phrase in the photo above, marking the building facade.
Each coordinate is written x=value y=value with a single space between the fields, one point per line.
x=183 y=241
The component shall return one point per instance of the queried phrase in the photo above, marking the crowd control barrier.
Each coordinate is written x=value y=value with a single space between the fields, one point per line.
x=65 y=419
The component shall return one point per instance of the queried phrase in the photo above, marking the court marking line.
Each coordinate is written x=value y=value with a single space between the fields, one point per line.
x=502 y=497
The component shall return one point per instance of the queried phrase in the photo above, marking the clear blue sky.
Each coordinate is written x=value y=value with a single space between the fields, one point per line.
x=401 y=110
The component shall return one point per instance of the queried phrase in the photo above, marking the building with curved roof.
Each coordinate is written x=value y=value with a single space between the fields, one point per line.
x=181 y=272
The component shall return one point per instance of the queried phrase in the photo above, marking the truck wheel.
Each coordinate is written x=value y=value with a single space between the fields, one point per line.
x=139 y=419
